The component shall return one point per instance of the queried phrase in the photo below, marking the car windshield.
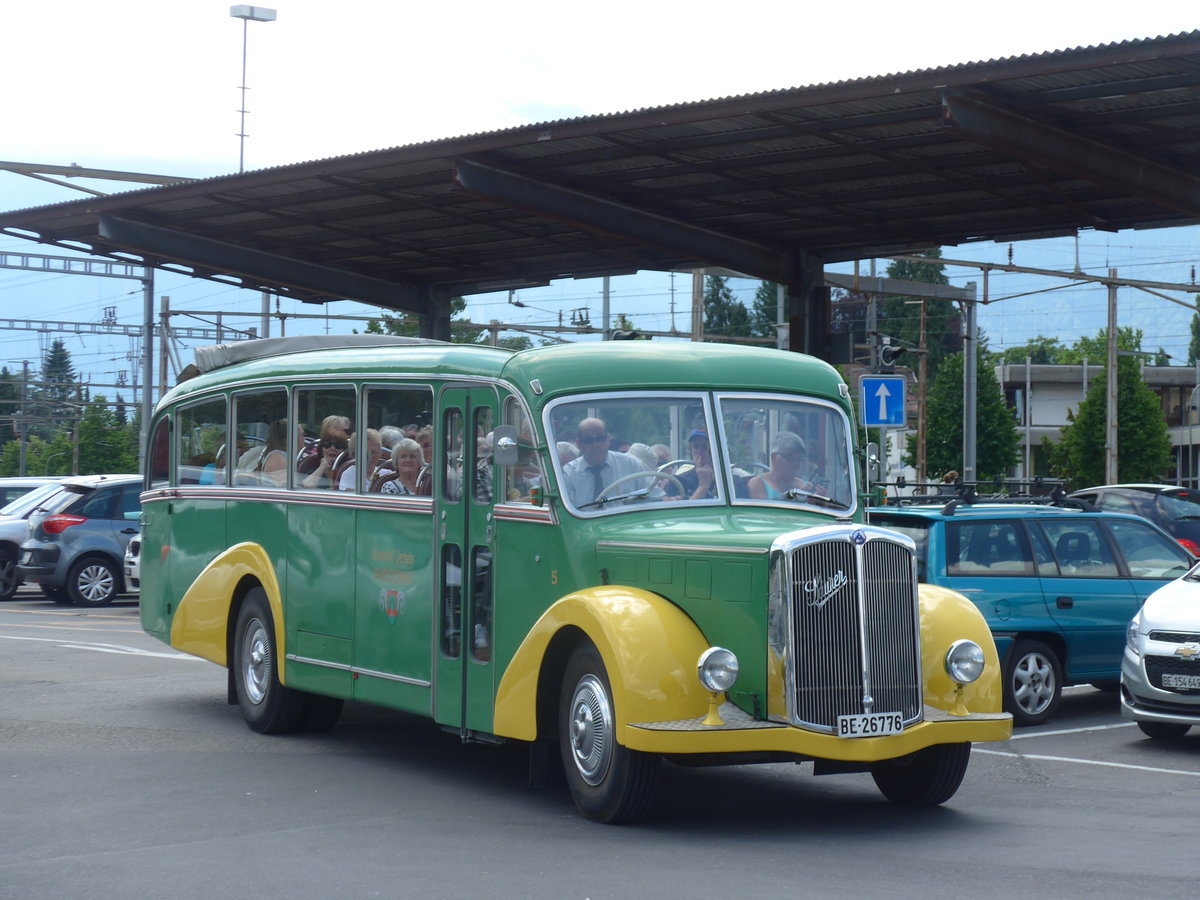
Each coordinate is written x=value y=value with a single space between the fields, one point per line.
x=23 y=505
x=617 y=452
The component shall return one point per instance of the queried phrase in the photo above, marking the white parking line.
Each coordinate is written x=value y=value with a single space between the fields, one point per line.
x=1088 y=762
x=1017 y=737
x=99 y=648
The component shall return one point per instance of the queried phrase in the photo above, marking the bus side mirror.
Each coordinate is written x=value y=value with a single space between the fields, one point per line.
x=872 y=462
x=504 y=445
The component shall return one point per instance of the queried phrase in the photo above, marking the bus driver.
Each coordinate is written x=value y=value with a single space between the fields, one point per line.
x=597 y=467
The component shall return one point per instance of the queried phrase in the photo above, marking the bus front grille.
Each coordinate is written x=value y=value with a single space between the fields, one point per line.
x=847 y=604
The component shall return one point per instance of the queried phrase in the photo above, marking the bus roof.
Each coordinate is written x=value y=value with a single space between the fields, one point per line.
x=540 y=374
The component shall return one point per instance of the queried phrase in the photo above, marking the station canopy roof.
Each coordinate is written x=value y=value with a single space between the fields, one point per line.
x=766 y=184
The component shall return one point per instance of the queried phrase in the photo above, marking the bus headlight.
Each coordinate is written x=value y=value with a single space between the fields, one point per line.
x=718 y=669
x=964 y=661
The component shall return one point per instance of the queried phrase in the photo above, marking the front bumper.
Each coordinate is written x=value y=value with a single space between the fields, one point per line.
x=1141 y=701
x=742 y=733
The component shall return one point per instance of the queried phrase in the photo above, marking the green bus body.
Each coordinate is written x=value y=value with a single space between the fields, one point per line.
x=473 y=612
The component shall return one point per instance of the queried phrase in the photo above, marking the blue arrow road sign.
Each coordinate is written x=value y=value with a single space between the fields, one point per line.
x=881 y=401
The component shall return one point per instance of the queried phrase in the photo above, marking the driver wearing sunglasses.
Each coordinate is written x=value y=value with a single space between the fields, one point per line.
x=597 y=466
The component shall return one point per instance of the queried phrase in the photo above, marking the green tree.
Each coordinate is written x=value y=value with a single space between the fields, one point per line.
x=104 y=444
x=1143 y=443
x=900 y=317
x=996 y=438
x=10 y=404
x=1040 y=351
x=764 y=313
x=724 y=315
x=1095 y=349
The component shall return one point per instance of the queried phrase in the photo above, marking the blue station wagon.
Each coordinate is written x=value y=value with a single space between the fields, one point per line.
x=1057 y=586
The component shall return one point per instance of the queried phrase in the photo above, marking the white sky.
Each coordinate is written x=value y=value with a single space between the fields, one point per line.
x=153 y=87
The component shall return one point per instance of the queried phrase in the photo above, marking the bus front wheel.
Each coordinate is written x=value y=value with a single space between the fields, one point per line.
x=608 y=782
x=267 y=706
x=928 y=777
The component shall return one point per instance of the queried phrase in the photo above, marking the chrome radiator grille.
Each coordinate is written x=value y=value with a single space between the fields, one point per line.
x=851 y=643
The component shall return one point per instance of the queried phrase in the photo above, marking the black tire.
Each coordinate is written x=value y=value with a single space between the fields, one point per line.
x=1163 y=731
x=1108 y=687
x=608 y=782
x=267 y=706
x=93 y=581
x=1032 y=682
x=57 y=594
x=9 y=582
x=926 y=778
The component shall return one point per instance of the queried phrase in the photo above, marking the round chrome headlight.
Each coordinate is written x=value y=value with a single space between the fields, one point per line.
x=717 y=668
x=964 y=661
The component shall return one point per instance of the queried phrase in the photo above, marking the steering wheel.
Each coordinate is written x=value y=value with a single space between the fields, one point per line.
x=752 y=465
x=675 y=462
x=653 y=476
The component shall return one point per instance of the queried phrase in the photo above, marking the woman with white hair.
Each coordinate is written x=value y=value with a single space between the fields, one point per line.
x=407 y=462
x=788 y=458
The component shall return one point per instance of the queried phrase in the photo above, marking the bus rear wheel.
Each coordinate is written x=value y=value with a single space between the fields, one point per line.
x=267 y=706
x=608 y=782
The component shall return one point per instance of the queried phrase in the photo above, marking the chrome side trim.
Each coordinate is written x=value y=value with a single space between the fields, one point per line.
x=689 y=548
x=354 y=670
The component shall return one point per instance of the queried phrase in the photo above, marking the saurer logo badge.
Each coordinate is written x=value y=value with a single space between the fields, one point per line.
x=820 y=590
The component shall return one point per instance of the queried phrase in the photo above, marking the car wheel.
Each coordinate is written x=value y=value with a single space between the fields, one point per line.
x=925 y=778
x=1032 y=683
x=608 y=782
x=267 y=706
x=57 y=594
x=93 y=581
x=1163 y=731
x=8 y=574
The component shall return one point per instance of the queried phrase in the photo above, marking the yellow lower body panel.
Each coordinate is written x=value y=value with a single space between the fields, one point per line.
x=741 y=733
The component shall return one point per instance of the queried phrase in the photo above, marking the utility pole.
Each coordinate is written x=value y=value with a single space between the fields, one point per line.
x=922 y=395
x=1110 y=407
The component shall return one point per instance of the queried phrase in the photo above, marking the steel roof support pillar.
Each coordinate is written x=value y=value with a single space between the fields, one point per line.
x=808 y=306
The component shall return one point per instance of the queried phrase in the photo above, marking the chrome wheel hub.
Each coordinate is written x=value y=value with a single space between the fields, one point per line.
x=591 y=729
x=257 y=661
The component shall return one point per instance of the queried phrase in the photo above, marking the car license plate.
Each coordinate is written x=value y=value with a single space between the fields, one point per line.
x=869 y=725
x=1181 y=681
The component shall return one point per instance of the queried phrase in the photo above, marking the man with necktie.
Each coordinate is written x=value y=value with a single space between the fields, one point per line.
x=597 y=466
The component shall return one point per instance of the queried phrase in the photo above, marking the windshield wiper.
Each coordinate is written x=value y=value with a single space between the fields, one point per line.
x=812 y=497
x=639 y=494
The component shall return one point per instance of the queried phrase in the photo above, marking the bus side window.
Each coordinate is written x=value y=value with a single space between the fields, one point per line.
x=520 y=480
x=482 y=474
x=262 y=438
x=451 y=461
x=397 y=414
x=200 y=456
x=158 y=461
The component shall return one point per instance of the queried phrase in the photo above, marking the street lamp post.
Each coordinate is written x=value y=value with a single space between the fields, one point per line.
x=247 y=14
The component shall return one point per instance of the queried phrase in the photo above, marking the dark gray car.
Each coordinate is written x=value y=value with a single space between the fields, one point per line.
x=76 y=552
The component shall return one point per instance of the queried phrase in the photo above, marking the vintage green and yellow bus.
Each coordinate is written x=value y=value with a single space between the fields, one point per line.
x=616 y=552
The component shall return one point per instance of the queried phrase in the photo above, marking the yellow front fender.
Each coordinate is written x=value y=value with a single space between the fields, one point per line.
x=948 y=616
x=201 y=622
x=649 y=647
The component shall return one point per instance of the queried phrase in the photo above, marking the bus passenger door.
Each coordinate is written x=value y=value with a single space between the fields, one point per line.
x=464 y=684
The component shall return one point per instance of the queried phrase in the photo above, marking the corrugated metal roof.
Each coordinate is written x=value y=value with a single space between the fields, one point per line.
x=1097 y=137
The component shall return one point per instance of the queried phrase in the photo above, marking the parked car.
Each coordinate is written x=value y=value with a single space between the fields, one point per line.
x=76 y=552
x=1160 y=674
x=1174 y=509
x=1057 y=586
x=18 y=486
x=133 y=563
x=14 y=530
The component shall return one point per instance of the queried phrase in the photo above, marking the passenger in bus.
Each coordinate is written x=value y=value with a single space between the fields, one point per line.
x=330 y=448
x=789 y=458
x=348 y=471
x=332 y=428
x=403 y=476
x=699 y=482
x=273 y=463
x=586 y=477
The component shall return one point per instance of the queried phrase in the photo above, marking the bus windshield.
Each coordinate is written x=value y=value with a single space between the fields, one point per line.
x=619 y=452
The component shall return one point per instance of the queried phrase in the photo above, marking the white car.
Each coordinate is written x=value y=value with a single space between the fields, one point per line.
x=1160 y=674
x=133 y=567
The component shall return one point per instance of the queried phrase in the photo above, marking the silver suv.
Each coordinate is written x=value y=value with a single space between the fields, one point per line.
x=76 y=552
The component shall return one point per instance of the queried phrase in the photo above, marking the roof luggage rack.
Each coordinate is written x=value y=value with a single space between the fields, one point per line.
x=1038 y=492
